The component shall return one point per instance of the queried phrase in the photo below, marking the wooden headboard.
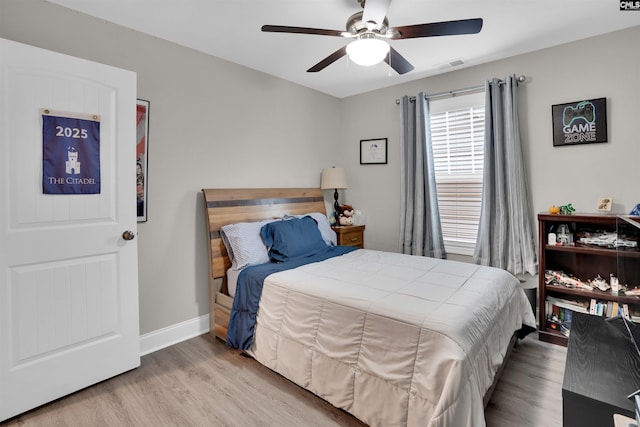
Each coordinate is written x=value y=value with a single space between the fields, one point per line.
x=228 y=206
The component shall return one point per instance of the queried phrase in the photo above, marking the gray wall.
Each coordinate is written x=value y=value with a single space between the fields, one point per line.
x=217 y=124
x=212 y=124
x=605 y=66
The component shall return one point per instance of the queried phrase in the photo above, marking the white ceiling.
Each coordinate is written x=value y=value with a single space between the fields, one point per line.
x=230 y=29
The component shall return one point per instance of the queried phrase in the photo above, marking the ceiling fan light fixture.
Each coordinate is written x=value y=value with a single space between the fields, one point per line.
x=367 y=51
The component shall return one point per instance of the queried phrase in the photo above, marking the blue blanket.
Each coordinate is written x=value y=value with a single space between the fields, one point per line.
x=249 y=289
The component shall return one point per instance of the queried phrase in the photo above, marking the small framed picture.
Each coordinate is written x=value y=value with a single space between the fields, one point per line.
x=604 y=204
x=373 y=151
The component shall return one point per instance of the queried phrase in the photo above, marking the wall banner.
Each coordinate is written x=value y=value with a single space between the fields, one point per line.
x=70 y=153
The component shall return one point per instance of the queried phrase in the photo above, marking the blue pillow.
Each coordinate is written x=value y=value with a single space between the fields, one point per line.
x=292 y=238
x=328 y=235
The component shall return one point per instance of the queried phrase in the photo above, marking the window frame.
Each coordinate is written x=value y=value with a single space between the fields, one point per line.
x=453 y=103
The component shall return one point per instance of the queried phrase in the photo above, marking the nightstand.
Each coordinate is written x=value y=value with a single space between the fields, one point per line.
x=350 y=235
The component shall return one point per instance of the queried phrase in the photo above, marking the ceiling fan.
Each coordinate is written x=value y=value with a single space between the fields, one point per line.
x=370 y=29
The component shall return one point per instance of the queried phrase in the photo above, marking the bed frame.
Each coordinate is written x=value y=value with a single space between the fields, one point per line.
x=227 y=206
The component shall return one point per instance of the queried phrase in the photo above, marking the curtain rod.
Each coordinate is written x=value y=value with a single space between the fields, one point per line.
x=455 y=92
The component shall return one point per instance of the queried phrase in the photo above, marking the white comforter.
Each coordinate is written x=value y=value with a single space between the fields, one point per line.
x=393 y=339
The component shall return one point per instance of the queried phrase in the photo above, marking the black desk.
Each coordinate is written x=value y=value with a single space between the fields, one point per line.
x=601 y=370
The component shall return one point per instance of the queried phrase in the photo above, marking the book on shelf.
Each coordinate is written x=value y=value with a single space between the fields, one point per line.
x=560 y=311
x=603 y=308
x=565 y=328
x=633 y=316
x=615 y=307
x=568 y=304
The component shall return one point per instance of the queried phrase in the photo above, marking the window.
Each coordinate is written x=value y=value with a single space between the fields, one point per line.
x=457 y=132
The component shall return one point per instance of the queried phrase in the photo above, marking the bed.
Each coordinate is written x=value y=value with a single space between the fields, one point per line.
x=393 y=339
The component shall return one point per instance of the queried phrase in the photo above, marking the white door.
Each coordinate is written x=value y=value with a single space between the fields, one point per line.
x=68 y=278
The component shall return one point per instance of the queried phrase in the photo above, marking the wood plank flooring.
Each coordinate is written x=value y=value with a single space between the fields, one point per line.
x=200 y=382
x=529 y=393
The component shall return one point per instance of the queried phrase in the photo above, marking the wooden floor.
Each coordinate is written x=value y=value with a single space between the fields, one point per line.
x=201 y=382
x=529 y=393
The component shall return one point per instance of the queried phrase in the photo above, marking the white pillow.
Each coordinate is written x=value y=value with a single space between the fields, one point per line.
x=328 y=235
x=244 y=244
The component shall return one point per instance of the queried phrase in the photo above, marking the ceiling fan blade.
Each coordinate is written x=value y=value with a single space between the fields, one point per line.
x=398 y=62
x=328 y=60
x=375 y=10
x=300 y=30
x=446 y=28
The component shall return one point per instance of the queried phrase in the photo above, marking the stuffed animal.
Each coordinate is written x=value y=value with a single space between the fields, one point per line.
x=346 y=220
x=345 y=216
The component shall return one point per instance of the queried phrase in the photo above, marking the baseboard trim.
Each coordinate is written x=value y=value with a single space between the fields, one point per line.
x=165 y=337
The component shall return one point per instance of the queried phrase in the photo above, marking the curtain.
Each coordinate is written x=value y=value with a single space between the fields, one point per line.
x=506 y=236
x=420 y=231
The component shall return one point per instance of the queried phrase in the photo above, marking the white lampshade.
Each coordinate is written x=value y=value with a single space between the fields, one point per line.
x=367 y=51
x=333 y=178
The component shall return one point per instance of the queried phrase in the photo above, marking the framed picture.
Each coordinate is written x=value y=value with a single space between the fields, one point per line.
x=373 y=151
x=580 y=122
x=604 y=204
x=142 y=150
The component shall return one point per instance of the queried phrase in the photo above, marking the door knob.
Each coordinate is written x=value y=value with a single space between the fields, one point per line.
x=128 y=235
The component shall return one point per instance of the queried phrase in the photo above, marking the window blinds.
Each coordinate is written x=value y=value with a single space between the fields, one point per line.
x=458 y=147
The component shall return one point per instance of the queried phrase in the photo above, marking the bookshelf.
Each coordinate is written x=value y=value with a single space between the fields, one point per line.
x=583 y=253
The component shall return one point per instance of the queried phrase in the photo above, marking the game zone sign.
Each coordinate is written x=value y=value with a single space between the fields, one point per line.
x=580 y=122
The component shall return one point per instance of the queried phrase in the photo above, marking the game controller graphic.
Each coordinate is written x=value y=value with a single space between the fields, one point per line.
x=584 y=110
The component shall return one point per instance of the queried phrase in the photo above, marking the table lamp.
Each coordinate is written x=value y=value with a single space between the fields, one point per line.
x=335 y=178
